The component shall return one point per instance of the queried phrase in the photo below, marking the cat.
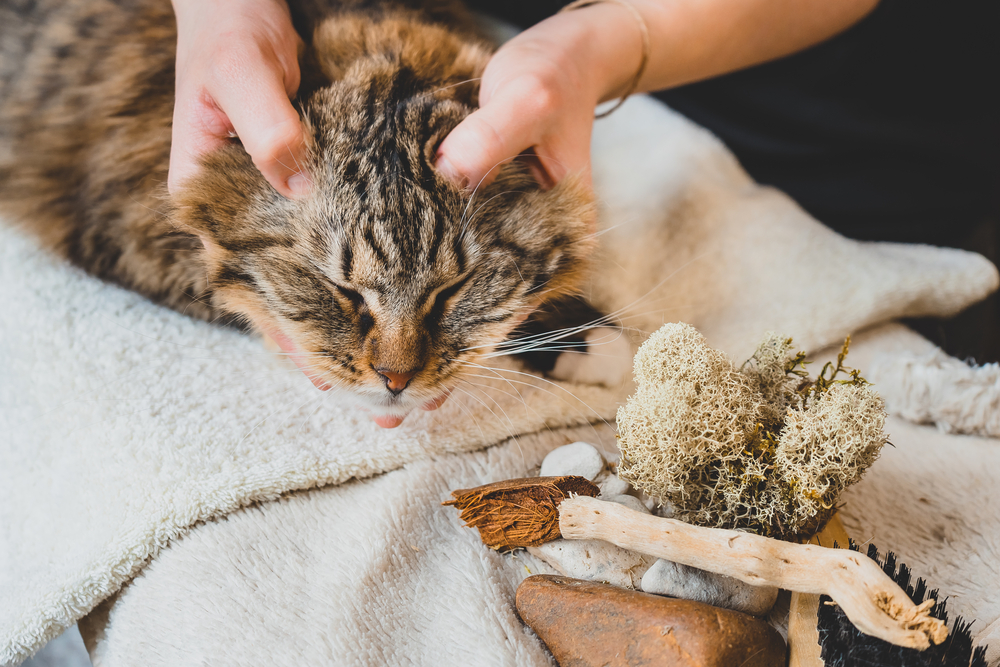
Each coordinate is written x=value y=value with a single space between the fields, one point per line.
x=388 y=278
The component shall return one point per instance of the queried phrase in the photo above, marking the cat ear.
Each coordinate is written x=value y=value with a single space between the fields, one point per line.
x=214 y=202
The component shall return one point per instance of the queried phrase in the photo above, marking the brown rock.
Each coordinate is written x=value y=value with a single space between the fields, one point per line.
x=587 y=624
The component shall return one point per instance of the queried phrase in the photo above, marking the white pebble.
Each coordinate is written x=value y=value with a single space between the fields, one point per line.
x=666 y=510
x=681 y=581
x=594 y=560
x=611 y=484
x=630 y=502
x=578 y=458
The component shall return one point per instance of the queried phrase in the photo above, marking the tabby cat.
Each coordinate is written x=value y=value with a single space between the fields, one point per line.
x=387 y=276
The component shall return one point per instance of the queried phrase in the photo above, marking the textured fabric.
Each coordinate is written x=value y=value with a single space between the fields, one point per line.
x=122 y=424
x=379 y=573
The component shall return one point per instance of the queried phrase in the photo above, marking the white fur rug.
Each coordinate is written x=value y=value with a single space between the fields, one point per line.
x=379 y=573
x=122 y=424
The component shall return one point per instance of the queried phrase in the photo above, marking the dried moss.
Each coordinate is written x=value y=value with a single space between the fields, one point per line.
x=763 y=448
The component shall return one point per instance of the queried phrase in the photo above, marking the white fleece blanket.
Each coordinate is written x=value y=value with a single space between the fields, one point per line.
x=379 y=573
x=123 y=424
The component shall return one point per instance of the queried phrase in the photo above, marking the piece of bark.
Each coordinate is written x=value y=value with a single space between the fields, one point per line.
x=587 y=624
x=519 y=512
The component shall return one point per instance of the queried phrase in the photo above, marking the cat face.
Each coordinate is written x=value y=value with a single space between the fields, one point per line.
x=387 y=280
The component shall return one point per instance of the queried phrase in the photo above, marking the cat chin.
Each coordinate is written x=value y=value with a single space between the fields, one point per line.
x=385 y=408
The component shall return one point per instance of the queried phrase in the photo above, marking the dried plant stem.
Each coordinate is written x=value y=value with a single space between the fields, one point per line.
x=871 y=600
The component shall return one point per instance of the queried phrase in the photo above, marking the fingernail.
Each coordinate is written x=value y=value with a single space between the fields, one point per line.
x=299 y=184
x=448 y=170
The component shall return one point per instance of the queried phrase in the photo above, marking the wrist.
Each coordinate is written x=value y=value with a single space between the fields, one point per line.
x=604 y=42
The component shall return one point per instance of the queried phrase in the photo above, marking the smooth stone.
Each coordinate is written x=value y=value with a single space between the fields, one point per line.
x=611 y=484
x=578 y=458
x=628 y=501
x=666 y=510
x=690 y=583
x=587 y=624
x=594 y=560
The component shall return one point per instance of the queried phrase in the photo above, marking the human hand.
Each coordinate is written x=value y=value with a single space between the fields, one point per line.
x=537 y=97
x=237 y=67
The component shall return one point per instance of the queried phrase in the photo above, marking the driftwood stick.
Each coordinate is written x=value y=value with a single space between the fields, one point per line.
x=871 y=600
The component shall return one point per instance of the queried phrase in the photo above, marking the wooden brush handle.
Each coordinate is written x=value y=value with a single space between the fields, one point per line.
x=871 y=600
x=803 y=609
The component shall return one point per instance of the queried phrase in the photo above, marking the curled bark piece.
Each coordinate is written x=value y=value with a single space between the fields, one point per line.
x=872 y=601
x=518 y=512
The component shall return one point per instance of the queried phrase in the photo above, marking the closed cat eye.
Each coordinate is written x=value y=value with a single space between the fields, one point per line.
x=442 y=297
x=353 y=296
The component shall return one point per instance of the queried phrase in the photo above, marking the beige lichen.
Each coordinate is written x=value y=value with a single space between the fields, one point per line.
x=763 y=448
x=826 y=448
x=776 y=381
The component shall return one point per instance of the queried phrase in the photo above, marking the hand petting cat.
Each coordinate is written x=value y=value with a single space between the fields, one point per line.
x=237 y=67
x=538 y=94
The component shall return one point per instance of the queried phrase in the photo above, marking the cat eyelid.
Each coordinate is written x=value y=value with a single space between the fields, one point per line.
x=352 y=295
x=440 y=297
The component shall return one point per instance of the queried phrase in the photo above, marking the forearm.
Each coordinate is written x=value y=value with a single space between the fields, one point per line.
x=692 y=40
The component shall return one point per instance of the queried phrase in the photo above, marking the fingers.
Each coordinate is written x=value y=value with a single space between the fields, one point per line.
x=534 y=105
x=501 y=130
x=237 y=67
x=199 y=127
x=254 y=93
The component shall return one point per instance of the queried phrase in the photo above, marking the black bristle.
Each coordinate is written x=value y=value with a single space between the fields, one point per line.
x=843 y=645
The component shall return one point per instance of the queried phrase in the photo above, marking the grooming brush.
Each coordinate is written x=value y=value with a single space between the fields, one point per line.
x=821 y=635
x=867 y=595
x=844 y=646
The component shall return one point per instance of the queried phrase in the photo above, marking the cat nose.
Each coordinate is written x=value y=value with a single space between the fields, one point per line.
x=396 y=381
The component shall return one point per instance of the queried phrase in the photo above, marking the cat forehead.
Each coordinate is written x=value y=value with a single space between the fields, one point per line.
x=397 y=252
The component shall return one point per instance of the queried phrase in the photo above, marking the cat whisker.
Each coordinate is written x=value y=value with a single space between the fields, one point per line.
x=543 y=337
x=538 y=344
x=520 y=396
x=151 y=210
x=499 y=194
x=510 y=424
x=512 y=382
x=468 y=411
x=464 y=222
x=454 y=85
x=545 y=380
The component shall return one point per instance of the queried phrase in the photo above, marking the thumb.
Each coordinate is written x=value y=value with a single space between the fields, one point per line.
x=499 y=131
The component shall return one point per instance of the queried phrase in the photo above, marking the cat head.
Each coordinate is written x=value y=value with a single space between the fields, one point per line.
x=386 y=280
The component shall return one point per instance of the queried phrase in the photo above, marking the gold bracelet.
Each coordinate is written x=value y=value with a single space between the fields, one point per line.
x=643 y=28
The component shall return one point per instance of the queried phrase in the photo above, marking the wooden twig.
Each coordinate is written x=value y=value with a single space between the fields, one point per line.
x=870 y=599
